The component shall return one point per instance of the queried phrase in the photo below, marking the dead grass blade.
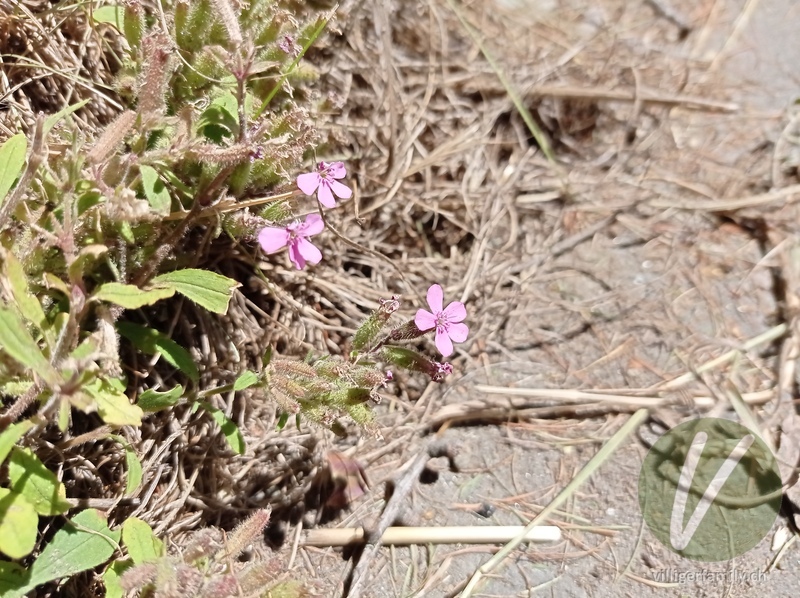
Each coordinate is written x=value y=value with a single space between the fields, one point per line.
x=404 y=536
x=539 y=135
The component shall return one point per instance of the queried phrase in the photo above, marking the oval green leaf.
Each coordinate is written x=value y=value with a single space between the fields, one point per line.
x=16 y=341
x=246 y=380
x=142 y=544
x=19 y=524
x=113 y=405
x=10 y=436
x=155 y=191
x=12 y=159
x=13 y=580
x=152 y=400
x=208 y=289
x=231 y=431
x=40 y=487
x=130 y=296
x=133 y=464
x=151 y=341
x=83 y=543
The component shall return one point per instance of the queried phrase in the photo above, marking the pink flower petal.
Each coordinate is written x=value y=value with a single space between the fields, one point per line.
x=424 y=320
x=337 y=170
x=458 y=332
x=455 y=312
x=295 y=256
x=435 y=296
x=325 y=196
x=312 y=226
x=341 y=191
x=444 y=344
x=273 y=239
x=308 y=251
x=308 y=182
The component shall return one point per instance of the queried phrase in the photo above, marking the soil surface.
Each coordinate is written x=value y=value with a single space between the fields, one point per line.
x=662 y=238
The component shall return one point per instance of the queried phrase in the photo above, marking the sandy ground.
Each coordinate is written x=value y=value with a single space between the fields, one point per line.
x=665 y=244
x=651 y=260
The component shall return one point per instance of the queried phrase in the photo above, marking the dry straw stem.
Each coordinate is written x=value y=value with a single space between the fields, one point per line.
x=232 y=206
x=405 y=536
x=787 y=194
x=525 y=401
x=519 y=104
x=605 y=453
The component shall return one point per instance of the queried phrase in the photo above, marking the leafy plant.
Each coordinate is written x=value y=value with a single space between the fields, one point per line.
x=100 y=239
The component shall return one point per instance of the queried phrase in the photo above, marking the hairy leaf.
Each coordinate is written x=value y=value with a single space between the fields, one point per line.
x=133 y=464
x=83 y=543
x=113 y=405
x=151 y=341
x=208 y=289
x=13 y=579
x=26 y=302
x=152 y=400
x=19 y=524
x=12 y=159
x=111 y=578
x=40 y=487
x=109 y=14
x=130 y=296
x=246 y=380
x=142 y=544
x=10 y=436
x=155 y=191
x=16 y=341
x=231 y=431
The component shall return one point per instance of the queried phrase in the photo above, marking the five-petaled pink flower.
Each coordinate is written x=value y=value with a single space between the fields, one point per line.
x=325 y=182
x=447 y=321
x=295 y=235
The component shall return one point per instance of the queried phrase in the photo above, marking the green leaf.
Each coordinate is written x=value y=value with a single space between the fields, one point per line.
x=152 y=400
x=16 y=341
x=151 y=341
x=83 y=543
x=132 y=462
x=130 y=296
x=155 y=191
x=246 y=380
x=220 y=119
x=109 y=14
x=51 y=120
x=10 y=436
x=52 y=281
x=26 y=302
x=13 y=580
x=142 y=545
x=282 y=420
x=113 y=405
x=133 y=25
x=111 y=578
x=12 y=160
x=208 y=289
x=19 y=524
x=87 y=255
x=40 y=487
x=231 y=431
x=267 y=357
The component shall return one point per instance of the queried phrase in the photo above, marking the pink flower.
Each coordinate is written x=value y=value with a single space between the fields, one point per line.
x=325 y=181
x=446 y=321
x=295 y=235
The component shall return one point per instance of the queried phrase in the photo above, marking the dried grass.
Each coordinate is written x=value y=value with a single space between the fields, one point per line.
x=451 y=188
